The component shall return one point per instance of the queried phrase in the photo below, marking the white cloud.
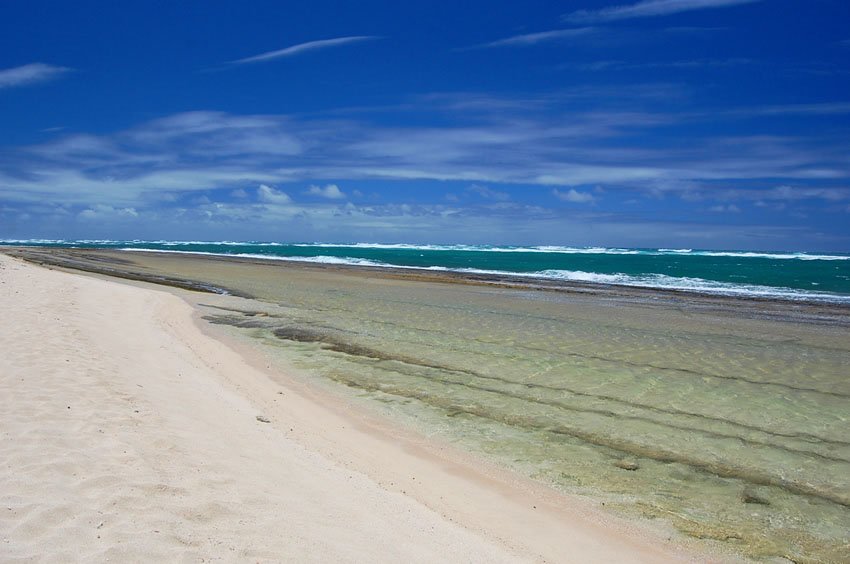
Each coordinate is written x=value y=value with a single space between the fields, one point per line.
x=269 y=195
x=331 y=192
x=30 y=74
x=649 y=8
x=303 y=47
x=572 y=195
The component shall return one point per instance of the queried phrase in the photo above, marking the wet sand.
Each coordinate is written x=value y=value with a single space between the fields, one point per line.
x=128 y=434
x=724 y=418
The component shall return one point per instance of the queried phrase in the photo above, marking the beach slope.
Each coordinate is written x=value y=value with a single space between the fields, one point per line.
x=129 y=434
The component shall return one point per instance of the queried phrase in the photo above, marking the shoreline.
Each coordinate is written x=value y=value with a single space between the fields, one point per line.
x=107 y=262
x=719 y=419
x=457 y=491
x=540 y=278
x=515 y=280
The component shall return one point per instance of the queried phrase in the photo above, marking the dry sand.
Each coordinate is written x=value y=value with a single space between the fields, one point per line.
x=128 y=434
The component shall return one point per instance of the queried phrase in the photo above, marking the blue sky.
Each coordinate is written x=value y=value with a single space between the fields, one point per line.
x=686 y=123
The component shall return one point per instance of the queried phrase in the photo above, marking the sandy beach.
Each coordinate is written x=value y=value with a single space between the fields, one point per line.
x=129 y=434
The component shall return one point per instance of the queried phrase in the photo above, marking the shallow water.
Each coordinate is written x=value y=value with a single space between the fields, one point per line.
x=731 y=427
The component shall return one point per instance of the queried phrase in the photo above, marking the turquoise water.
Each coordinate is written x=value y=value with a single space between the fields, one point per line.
x=784 y=275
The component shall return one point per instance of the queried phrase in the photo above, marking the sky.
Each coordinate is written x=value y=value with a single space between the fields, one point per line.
x=712 y=124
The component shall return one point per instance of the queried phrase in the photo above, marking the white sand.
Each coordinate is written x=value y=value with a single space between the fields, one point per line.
x=128 y=434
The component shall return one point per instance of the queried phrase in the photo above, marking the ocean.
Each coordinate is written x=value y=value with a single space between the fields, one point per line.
x=779 y=275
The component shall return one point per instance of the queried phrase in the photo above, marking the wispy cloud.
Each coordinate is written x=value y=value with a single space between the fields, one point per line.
x=102 y=211
x=826 y=108
x=527 y=39
x=648 y=8
x=303 y=48
x=696 y=64
x=731 y=208
x=694 y=30
x=32 y=73
x=785 y=193
x=252 y=161
x=488 y=193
